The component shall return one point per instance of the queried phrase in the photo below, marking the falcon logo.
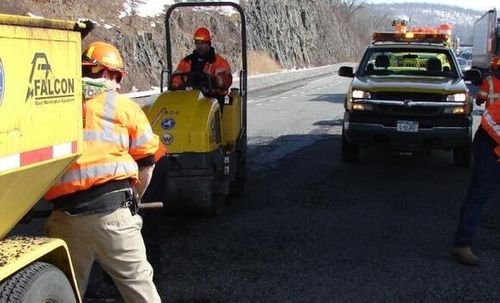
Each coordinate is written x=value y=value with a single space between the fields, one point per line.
x=44 y=87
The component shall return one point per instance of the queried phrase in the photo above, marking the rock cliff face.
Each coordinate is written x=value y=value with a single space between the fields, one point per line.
x=301 y=33
x=295 y=33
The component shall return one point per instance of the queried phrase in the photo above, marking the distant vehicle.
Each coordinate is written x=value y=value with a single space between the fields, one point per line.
x=486 y=43
x=408 y=94
x=466 y=55
x=464 y=64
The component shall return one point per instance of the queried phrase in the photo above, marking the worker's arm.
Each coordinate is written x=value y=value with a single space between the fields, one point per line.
x=221 y=77
x=143 y=143
x=145 y=174
x=178 y=81
x=482 y=94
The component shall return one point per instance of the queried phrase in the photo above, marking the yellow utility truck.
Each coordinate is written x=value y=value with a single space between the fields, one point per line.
x=40 y=137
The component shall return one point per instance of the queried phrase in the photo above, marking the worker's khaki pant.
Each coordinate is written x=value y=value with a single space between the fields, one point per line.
x=114 y=240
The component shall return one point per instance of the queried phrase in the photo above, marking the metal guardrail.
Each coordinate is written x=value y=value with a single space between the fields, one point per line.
x=258 y=82
x=142 y=94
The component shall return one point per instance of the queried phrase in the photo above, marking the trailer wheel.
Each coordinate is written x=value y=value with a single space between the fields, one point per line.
x=38 y=282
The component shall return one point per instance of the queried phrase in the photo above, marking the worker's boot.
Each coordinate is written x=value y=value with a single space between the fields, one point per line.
x=465 y=256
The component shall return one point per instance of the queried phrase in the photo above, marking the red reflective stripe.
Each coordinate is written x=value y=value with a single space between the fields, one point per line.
x=43 y=154
x=37 y=155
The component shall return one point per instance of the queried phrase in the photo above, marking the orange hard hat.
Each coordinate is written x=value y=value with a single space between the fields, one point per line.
x=103 y=54
x=495 y=62
x=202 y=34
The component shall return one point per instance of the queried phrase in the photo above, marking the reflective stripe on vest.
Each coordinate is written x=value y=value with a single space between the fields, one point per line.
x=145 y=138
x=123 y=168
x=491 y=95
x=491 y=117
x=491 y=123
x=106 y=152
x=107 y=134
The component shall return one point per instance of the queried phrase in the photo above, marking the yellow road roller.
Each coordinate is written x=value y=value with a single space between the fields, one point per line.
x=206 y=146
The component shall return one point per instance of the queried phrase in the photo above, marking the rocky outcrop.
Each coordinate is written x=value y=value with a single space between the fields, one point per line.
x=295 y=33
x=301 y=33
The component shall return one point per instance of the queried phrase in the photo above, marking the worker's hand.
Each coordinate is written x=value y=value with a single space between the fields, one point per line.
x=89 y=26
x=218 y=81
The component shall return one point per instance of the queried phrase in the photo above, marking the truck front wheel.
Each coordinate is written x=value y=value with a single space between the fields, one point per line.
x=38 y=282
x=462 y=156
x=350 y=151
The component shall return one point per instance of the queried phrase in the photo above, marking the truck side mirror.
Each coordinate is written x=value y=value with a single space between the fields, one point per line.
x=474 y=76
x=346 y=71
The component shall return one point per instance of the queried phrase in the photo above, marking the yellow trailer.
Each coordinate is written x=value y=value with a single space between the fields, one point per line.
x=40 y=137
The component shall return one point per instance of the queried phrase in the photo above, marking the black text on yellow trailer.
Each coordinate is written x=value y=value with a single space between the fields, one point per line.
x=40 y=135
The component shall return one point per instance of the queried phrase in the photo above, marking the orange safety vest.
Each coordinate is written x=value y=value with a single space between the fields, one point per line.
x=116 y=135
x=217 y=67
x=490 y=121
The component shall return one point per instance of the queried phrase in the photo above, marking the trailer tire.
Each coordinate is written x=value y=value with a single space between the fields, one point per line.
x=38 y=282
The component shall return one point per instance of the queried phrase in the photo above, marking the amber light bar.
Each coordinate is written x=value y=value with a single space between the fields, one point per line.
x=410 y=37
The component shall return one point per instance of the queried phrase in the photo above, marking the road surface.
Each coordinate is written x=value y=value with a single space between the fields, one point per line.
x=309 y=228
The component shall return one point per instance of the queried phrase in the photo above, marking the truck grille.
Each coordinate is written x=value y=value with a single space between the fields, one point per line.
x=414 y=111
x=401 y=96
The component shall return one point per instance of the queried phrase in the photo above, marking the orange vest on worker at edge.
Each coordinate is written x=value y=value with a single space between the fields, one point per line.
x=490 y=121
x=215 y=66
x=116 y=135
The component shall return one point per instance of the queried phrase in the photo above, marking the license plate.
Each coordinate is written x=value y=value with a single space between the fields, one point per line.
x=407 y=126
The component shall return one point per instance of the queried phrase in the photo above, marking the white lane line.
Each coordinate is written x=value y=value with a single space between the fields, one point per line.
x=322 y=79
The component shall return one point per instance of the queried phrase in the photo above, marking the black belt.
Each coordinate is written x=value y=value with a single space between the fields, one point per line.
x=103 y=203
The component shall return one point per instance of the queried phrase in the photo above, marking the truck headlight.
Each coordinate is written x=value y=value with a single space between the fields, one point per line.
x=360 y=94
x=457 y=97
x=362 y=107
x=456 y=110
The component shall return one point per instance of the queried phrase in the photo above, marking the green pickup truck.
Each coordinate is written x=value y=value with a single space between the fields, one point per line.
x=408 y=94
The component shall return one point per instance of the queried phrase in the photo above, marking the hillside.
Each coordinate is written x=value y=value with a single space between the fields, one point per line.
x=422 y=14
x=280 y=34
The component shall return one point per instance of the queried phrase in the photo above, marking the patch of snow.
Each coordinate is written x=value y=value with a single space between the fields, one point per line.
x=107 y=26
x=152 y=8
x=34 y=16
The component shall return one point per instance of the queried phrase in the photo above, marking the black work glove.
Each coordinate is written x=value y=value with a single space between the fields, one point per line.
x=89 y=26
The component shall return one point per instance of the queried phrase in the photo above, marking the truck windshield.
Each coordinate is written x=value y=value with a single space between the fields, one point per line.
x=380 y=62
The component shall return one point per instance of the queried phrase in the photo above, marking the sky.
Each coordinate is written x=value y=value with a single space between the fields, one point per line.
x=481 y=5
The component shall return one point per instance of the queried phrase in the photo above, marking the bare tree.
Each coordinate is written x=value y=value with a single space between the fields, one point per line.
x=352 y=6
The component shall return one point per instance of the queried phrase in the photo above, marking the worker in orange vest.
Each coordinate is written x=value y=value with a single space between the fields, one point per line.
x=95 y=202
x=205 y=60
x=486 y=170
